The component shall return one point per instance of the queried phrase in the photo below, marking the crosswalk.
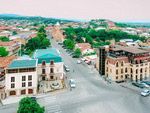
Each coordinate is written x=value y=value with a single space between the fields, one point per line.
x=90 y=79
x=52 y=105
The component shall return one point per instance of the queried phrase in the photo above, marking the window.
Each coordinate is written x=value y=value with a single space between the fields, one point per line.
x=30 y=77
x=43 y=71
x=43 y=63
x=23 y=84
x=52 y=62
x=117 y=64
x=146 y=69
x=121 y=63
x=29 y=83
x=43 y=78
x=23 y=78
x=131 y=70
x=52 y=77
x=13 y=85
x=121 y=70
x=12 y=79
x=141 y=70
x=117 y=71
x=107 y=69
x=126 y=70
x=121 y=76
x=116 y=77
x=52 y=70
x=136 y=71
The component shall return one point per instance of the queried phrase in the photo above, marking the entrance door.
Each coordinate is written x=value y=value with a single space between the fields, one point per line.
x=30 y=91
x=12 y=92
x=23 y=92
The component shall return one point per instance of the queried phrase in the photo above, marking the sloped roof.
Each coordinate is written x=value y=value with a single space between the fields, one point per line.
x=22 y=64
x=45 y=53
x=5 y=61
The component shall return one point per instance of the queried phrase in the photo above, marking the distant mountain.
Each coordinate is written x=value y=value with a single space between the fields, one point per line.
x=11 y=15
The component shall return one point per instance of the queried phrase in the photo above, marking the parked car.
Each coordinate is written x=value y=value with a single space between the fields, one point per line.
x=66 y=68
x=138 y=85
x=147 y=86
x=146 y=82
x=79 y=61
x=72 y=83
x=145 y=92
x=74 y=56
x=33 y=98
x=71 y=53
x=59 y=43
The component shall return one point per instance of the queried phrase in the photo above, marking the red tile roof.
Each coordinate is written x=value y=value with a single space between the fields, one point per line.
x=7 y=43
x=5 y=61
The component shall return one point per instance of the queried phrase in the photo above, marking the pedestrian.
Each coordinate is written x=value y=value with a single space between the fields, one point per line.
x=66 y=77
x=70 y=89
x=73 y=70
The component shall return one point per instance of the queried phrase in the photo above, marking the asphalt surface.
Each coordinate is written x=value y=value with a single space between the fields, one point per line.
x=91 y=95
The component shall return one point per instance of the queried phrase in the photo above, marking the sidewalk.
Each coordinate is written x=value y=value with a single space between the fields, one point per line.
x=16 y=99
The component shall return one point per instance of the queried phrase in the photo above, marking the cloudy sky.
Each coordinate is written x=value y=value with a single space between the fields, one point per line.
x=116 y=10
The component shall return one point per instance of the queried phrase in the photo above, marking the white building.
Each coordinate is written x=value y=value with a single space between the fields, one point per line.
x=21 y=77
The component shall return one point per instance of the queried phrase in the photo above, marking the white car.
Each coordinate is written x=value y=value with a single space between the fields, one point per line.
x=79 y=62
x=145 y=92
x=147 y=86
x=72 y=83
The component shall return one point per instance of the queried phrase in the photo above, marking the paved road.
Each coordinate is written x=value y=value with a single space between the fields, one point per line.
x=91 y=94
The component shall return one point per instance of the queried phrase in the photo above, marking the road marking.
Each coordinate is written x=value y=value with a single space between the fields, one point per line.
x=53 y=109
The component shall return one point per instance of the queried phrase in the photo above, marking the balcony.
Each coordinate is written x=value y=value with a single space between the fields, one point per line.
x=52 y=65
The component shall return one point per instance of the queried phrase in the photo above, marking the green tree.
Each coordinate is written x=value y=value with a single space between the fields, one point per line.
x=26 y=105
x=45 y=43
x=3 y=52
x=107 y=42
x=4 y=39
x=14 y=32
x=41 y=29
x=77 y=53
x=69 y=44
x=89 y=39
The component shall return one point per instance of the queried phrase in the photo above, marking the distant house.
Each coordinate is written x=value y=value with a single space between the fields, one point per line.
x=126 y=40
x=11 y=46
x=84 y=47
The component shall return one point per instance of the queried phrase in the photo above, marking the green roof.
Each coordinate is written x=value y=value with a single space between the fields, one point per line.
x=45 y=53
x=22 y=64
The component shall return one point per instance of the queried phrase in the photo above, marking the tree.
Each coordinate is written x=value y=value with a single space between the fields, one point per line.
x=3 y=52
x=69 y=44
x=45 y=43
x=77 y=53
x=107 y=42
x=27 y=105
x=14 y=32
x=89 y=39
x=4 y=39
x=41 y=29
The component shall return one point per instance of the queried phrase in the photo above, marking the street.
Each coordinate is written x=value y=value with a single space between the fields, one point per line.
x=91 y=95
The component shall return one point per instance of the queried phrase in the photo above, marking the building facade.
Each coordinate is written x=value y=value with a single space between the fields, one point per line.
x=50 y=69
x=21 y=77
x=127 y=63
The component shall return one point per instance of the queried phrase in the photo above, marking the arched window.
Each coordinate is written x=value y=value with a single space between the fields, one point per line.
x=117 y=64
x=121 y=71
x=117 y=71
x=126 y=70
x=141 y=70
x=107 y=62
x=121 y=63
x=131 y=70
x=136 y=71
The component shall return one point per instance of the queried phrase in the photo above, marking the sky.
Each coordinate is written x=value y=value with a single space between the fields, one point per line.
x=116 y=10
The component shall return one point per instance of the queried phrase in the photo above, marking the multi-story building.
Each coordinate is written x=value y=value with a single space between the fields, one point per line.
x=50 y=68
x=21 y=77
x=127 y=63
x=4 y=62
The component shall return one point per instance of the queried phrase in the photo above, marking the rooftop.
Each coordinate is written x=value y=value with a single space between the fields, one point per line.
x=45 y=53
x=22 y=64
x=133 y=50
x=5 y=61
